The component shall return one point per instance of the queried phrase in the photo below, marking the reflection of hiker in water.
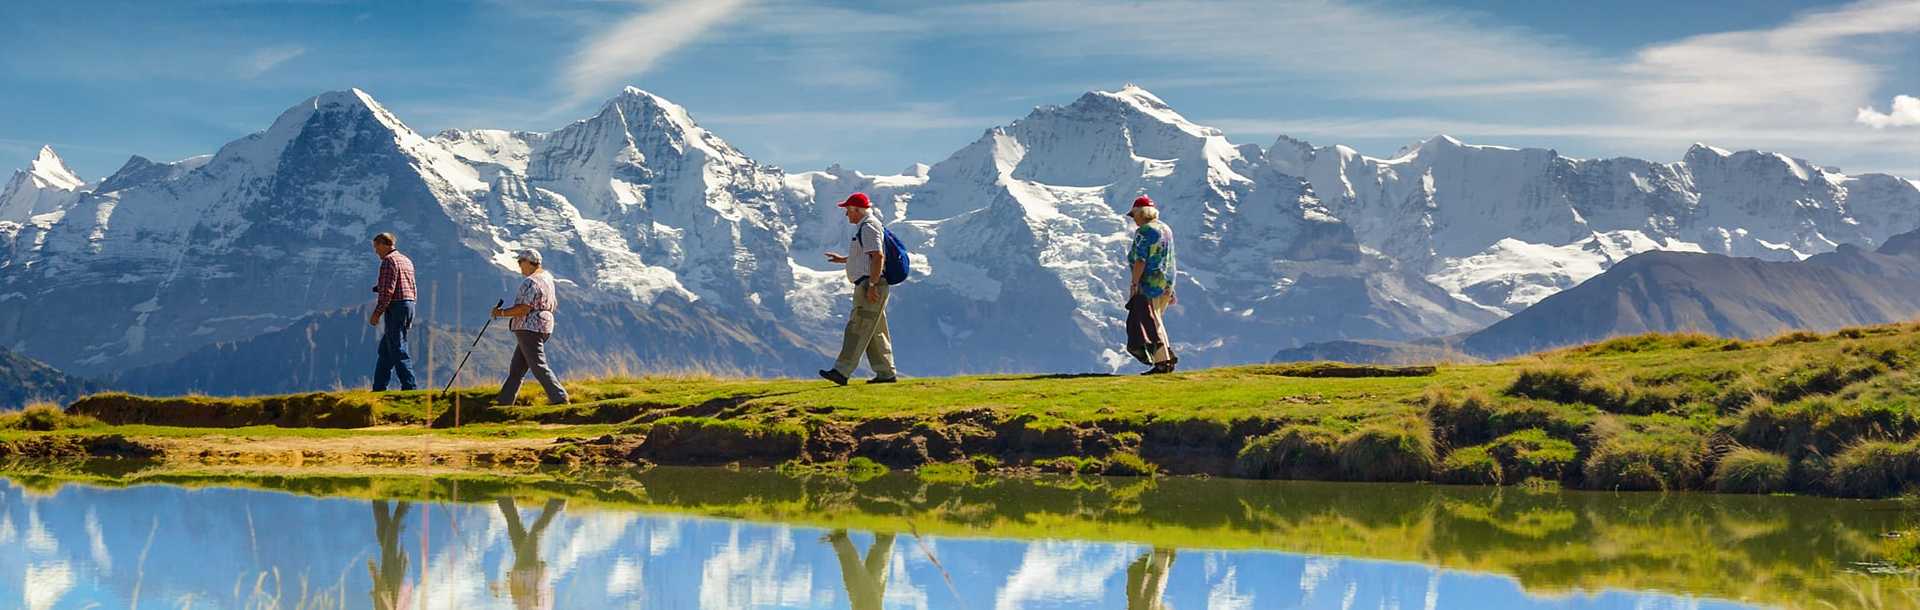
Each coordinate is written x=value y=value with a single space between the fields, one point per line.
x=390 y=588
x=866 y=580
x=1147 y=579
x=527 y=581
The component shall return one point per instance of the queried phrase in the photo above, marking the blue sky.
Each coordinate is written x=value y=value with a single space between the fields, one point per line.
x=878 y=85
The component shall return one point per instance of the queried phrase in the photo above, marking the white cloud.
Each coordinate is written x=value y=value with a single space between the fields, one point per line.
x=631 y=46
x=264 y=60
x=1798 y=86
x=1353 y=49
x=1905 y=112
x=1815 y=69
x=912 y=117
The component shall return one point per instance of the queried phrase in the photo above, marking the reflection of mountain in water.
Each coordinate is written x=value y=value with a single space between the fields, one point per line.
x=1113 y=544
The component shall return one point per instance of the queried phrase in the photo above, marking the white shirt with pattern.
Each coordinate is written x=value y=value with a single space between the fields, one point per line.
x=536 y=292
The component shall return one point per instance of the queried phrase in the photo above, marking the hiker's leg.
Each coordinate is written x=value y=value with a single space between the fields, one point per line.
x=510 y=390
x=880 y=348
x=860 y=326
x=534 y=346
x=399 y=321
x=383 y=367
x=1164 y=352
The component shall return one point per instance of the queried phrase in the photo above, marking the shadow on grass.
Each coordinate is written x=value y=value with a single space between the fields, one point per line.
x=1047 y=376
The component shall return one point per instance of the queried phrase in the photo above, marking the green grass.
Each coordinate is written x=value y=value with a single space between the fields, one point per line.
x=1654 y=412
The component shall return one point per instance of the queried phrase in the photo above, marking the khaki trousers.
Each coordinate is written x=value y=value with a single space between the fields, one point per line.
x=867 y=334
x=1159 y=307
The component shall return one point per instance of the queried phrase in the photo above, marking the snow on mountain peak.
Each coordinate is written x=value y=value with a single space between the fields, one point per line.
x=49 y=168
x=1699 y=149
x=47 y=185
x=1139 y=100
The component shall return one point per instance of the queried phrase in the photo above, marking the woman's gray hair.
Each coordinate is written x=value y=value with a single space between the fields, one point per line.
x=1146 y=213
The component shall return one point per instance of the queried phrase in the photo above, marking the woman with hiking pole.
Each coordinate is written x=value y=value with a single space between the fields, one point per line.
x=532 y=325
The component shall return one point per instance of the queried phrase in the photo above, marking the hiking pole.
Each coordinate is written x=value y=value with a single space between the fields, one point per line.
x=476 y=343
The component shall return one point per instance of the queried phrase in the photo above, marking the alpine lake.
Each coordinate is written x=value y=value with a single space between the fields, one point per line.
x=92 y=537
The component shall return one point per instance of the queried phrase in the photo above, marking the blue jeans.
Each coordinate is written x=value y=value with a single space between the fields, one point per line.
x=393 y=347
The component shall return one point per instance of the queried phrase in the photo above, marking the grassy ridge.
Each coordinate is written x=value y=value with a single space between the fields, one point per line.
x=1822 y=414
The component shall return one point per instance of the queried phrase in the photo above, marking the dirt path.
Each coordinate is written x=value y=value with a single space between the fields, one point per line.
x=384 y=450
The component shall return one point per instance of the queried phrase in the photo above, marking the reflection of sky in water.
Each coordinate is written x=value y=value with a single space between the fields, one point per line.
x=210 y=549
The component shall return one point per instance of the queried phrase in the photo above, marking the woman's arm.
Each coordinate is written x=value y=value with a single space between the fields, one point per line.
x=513 y=312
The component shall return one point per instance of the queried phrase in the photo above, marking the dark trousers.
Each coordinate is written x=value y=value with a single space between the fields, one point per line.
x=530 y=354
x=393 y=347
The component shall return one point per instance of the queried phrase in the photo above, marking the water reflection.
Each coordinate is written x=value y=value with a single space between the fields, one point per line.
x=710 y=539
x=527 y=580
x=866 y=579
x=1147 y=579
x=389 y=572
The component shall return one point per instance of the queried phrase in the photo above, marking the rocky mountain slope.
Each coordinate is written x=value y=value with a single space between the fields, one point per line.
x=1505 y=228
x=24 y=381
x=1719 y=295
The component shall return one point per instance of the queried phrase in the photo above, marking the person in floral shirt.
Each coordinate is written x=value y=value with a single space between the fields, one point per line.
x=1153 y=268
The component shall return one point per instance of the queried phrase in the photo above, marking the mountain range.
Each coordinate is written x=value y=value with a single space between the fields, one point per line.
x=677 y=251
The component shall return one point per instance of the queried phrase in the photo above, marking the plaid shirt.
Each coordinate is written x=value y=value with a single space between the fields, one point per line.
x=396 y=281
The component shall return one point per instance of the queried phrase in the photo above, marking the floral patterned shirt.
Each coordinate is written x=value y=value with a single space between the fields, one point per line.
x=1153 y=245
x=537 y=292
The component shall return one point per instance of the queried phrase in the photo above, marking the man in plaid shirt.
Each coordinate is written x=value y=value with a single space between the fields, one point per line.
x=396 y=290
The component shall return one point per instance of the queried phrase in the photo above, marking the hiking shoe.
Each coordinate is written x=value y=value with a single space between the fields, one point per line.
x=883 y=380
x=1159 y=369
x=833 y=376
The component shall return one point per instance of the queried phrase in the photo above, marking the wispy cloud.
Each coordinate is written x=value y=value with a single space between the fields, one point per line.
x=632 y=46
x=1815 y=69
x=1362 y=50
x=263 y=60
x=1800 y=84
x=1905 y=112
x=913 y=117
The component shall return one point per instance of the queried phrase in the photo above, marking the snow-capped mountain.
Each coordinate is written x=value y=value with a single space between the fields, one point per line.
x=46 y=186
x=676 y=248
x=1024 y=236
x=163 y=259
x=1505 y=228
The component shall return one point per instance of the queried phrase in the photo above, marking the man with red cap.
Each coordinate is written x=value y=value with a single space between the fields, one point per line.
x=867 y=325
x=1152 y=266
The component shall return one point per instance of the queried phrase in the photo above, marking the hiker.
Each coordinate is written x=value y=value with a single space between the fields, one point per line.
x=867 y=325
x=532 y=325
x=1151 y=259
x=395 y=302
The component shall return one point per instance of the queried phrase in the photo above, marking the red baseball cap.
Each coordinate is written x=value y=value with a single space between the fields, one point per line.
x=857 y=200
x=1143 y=202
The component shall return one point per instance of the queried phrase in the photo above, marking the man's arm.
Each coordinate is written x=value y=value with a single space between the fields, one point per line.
x=389 y=282
x=1139 y=269
x=879 y=261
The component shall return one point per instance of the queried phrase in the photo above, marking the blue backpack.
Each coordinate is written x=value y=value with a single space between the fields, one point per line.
x=899 y=264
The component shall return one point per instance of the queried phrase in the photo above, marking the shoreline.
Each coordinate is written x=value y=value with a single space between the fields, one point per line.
x=1830 y=415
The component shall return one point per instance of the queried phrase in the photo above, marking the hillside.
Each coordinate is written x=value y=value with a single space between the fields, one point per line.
x=1719 y=295
x=1823 y=414
x=25 y=381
